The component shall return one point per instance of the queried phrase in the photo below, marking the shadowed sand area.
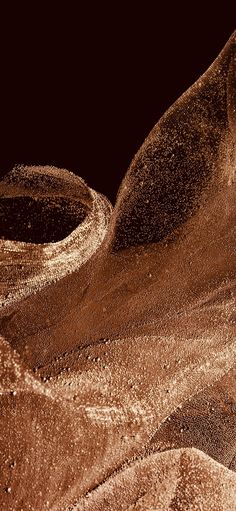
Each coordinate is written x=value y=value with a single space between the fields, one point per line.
x=118 y=347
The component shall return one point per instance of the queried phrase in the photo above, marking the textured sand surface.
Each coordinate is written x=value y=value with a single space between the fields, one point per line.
x=118 y=345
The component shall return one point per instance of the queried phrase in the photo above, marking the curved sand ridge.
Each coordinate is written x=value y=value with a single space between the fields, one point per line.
x=124 y=370
x=26 y=267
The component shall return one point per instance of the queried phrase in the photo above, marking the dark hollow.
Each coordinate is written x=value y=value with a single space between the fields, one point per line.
x=43 y=220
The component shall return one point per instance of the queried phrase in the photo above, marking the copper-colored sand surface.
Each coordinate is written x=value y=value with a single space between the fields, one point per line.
x=118 y=346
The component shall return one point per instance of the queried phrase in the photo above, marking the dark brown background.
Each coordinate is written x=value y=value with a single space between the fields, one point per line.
x=82 y=86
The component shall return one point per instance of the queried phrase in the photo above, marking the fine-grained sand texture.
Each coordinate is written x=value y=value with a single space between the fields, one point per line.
x=118 y=345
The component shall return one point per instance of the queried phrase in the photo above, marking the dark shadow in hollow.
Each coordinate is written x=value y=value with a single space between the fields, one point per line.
x=42 y=220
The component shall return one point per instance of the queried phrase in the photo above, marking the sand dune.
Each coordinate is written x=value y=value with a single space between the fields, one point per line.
x=118 y=348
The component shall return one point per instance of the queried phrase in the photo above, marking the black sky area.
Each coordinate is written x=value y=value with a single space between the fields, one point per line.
x=82 y=85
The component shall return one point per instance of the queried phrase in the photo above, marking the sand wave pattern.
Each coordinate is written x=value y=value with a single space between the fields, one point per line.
x=118 y=345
